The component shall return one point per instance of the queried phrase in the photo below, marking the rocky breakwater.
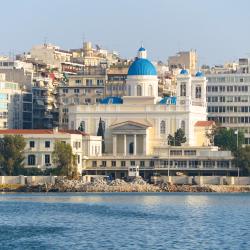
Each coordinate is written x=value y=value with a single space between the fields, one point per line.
x=101 y=185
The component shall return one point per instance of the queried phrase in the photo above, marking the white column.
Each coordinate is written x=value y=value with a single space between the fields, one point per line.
x=125 y=145
x=114 y=145
x=135 y=145
x=144 y=145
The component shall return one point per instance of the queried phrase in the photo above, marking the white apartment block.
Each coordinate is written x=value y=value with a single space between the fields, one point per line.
x=15 y=105
x=228 y=101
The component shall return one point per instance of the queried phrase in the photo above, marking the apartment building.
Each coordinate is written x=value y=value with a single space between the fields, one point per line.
x=86 y=88
x=15 y=105
x=184 y=60
x=116 y=80
x=228 y=101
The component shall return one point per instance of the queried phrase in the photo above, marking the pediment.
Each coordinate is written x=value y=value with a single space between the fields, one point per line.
x=129 y=125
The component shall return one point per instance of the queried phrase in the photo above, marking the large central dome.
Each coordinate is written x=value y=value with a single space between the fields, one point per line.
x=142 y=66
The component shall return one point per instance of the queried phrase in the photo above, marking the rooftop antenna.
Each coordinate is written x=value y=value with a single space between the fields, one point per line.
x=83 y=38
x=45 y=41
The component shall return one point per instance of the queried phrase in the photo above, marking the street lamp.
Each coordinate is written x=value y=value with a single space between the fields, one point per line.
x=236 y=132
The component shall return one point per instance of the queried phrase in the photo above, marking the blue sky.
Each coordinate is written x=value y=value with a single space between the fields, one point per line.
x=217 y=29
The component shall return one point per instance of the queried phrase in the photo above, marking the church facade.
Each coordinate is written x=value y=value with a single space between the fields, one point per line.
x=136 y=127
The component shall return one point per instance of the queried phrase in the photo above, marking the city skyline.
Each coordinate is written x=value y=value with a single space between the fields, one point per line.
x=164 y=27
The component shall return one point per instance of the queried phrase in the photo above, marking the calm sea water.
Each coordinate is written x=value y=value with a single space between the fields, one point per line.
x=125 y=221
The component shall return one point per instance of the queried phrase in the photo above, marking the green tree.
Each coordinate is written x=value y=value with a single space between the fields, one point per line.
x=226 y=139
x=243 y=155
x=100 y=132
x=177 y=139
x=65 y=160
x=12 y=154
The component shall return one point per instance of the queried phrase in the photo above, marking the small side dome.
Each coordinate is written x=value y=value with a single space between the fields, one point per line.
x=112 y=100
x=184 y=72
x=141 y=49
x=199 y=74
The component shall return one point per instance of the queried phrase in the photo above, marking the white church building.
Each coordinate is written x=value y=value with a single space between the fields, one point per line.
x=137 y=127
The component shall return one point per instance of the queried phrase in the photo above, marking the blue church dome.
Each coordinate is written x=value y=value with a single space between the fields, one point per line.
x=142 y=49
x=184 y=72
x=142 y=66
x=199 y=74
x=111 y=100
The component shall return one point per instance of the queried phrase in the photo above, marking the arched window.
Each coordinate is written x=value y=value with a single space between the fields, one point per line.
x=198 y=91
x=139 y=90
x=150 y=90
x=183 y=125
x=183 y=89
x=103 y=126
x=163 y=127
x=82 y=126
x=31 y=160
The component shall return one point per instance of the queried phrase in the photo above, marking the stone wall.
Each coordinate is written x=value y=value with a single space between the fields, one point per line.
x=30 y=180
x=202 y=180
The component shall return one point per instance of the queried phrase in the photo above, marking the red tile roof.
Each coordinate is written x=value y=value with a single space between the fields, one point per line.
x=204 y=123
x=38 y=131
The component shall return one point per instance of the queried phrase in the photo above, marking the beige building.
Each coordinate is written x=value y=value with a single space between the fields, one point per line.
x=51 y=55
x=40 y=145
x=90 y=56
x=84 y=88
x=116 y=80
x=184 y=60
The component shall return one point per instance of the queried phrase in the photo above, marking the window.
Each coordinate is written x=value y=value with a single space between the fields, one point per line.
x=103 y=126
x=132 y=163
x=142 y=163
x=89 y=82
x=151 y=163
x=32 y=144
x=47 y=159
x=104 y=163
x=123 y=163
x=129 y=90
x=78 y=81
x=175 y=152
x=189 y=152
x=65 y=91
x=76 y=91
x=87 y=100
x=82 y=126
x=139 y=90
x=163 y=127
x=94 y=164
x=113 y=163
x=183 y=125
x=99 y=82
x=183 y=89
x=65 y=110
x=47 y=144
x=31 y=160
x=198 y=92
x=78 y=159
